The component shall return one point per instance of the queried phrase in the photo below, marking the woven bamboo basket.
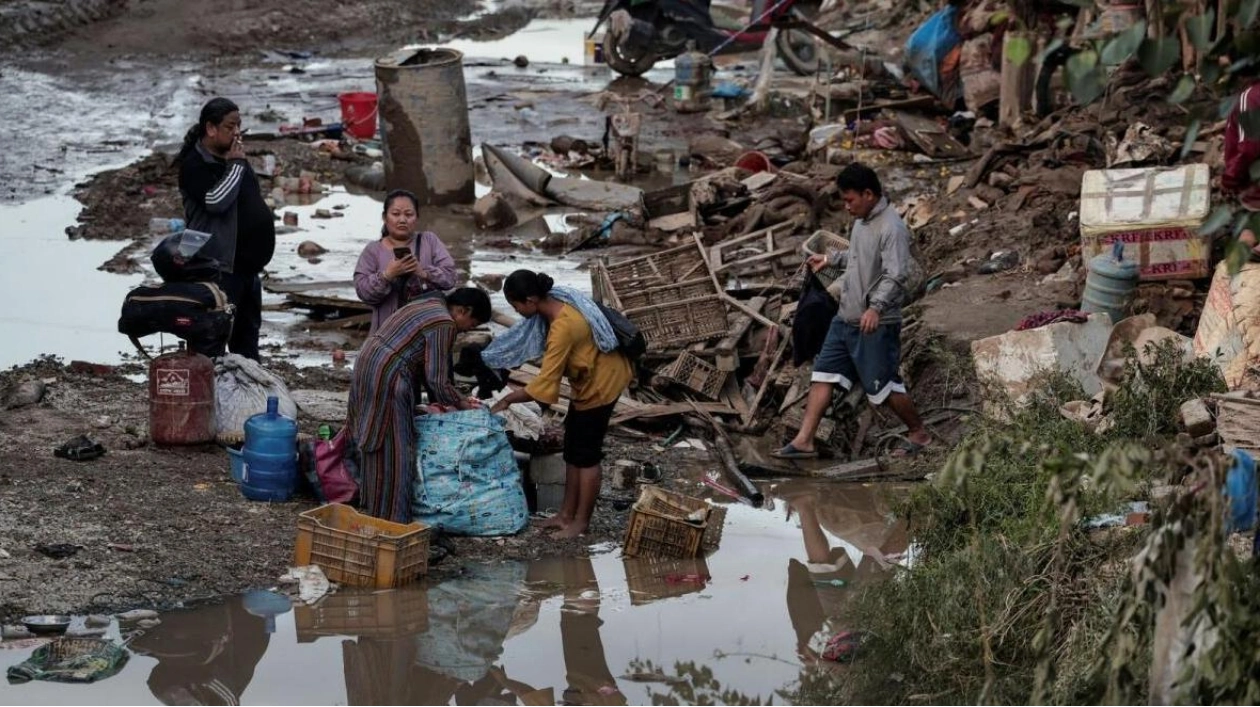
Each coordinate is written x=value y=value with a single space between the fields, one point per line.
x=635 y=299
x=695 y=373
x=668 y=267
x=680 y=323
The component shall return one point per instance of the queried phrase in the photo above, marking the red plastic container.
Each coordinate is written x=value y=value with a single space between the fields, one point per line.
x=755 y=162
x=181 y=399
x=358 y=113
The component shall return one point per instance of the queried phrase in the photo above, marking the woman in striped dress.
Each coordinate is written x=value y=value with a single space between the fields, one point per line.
x=415 y=341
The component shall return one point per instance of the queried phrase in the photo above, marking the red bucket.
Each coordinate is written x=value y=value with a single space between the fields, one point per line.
x=754 y=162
x=358 y=114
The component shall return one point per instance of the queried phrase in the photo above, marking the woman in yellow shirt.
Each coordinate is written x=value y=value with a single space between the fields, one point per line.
x=596 y=378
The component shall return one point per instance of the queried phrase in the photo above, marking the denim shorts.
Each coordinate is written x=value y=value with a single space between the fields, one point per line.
x=871 y=359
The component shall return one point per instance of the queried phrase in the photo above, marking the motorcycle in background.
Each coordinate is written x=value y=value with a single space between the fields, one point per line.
x=643 y=32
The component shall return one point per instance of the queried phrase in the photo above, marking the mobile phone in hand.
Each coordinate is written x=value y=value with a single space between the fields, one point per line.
x=401 y=253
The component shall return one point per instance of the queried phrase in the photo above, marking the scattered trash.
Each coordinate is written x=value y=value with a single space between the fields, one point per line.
x=686 y=578
x=310 y=249
x=135 y=615
x=653 y=677
x=999 y=261
x=46 y=624
x=1132 y=511
x=1089 y=413
x=1033 y=321
x=79 y=660
x=79 y=449
x=311 y=581
x=845 y=647
x=58 y=551
x=25 y=393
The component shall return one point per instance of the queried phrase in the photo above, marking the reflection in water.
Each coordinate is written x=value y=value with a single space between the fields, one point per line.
x=691 y=684
x=206 y=656
x=442 y=644
x=865 y=534
x=586 y=669
x=703 y=630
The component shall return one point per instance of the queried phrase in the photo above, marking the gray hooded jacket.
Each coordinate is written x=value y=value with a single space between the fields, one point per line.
x=876 y=266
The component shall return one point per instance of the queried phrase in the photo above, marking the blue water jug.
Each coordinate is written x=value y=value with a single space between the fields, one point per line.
x=270 y=452
x=267 y=605
x=1110 y=283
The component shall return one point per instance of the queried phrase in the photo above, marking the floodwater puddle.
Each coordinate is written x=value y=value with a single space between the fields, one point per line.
x=56 y=301
x=747 y=620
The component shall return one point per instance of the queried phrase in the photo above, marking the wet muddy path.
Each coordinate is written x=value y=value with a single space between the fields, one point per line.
x=76 y=122
x=741 y=624
x=738 y=626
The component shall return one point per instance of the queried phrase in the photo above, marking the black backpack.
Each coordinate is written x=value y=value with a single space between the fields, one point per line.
x=630 y=341
x=197 y=312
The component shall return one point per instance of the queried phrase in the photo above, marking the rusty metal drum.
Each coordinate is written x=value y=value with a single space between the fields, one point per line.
x=181 y=399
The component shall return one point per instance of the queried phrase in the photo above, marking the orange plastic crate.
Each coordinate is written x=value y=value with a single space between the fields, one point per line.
x=358 y=550
x=659 y=528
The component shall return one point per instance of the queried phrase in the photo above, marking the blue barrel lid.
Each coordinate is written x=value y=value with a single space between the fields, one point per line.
x=1114 y=264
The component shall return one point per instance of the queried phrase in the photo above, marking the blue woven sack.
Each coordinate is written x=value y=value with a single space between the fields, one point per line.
x=467 y=479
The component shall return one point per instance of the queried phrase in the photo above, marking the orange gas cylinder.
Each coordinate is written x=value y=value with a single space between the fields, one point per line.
x=181 y=398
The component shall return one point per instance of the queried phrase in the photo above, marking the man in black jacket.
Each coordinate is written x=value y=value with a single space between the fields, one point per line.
x=222 y=197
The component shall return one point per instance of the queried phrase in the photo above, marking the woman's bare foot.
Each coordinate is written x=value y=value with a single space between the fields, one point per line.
x=572 y=530
x=556 y=521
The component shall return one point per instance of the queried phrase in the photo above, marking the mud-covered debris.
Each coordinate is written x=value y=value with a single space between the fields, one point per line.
x=715 y=149
x=135 y=615
x=310 y=249
x=493 y=212
x=490 y=281
x=26 y=393
x=57 y=551
x=1196 y=418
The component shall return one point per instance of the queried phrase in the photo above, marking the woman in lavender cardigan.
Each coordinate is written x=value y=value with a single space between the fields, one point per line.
x=387 y=282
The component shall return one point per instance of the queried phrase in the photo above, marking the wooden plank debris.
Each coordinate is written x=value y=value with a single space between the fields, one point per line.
x=727 y=348
x=928 y=135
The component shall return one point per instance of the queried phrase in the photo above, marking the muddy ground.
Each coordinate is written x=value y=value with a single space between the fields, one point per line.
x=188 y=532
x=101 y=30
x=151 y=527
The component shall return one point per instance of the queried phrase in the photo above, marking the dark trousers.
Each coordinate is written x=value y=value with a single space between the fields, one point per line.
x=245 y=292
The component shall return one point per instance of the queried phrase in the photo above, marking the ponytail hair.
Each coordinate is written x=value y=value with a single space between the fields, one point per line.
x=523 y=284
x=213 y=113
x=477 y=301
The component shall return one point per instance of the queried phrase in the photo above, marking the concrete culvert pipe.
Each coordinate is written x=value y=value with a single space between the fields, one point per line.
x=423 y=106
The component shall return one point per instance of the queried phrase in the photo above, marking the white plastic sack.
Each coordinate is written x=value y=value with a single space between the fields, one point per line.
x=241 y=389
x=523 y=420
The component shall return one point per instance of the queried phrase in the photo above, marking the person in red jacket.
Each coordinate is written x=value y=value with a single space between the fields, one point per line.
x=1242 y=154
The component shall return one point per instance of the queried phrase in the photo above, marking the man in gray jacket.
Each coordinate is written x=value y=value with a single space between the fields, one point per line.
x=863 y=344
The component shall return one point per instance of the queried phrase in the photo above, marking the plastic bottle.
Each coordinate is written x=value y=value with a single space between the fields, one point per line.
x=164 y=226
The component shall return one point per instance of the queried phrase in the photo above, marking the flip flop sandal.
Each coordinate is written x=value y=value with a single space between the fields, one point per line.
x=79 y=449
x=904 y=448
x=791 y=452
